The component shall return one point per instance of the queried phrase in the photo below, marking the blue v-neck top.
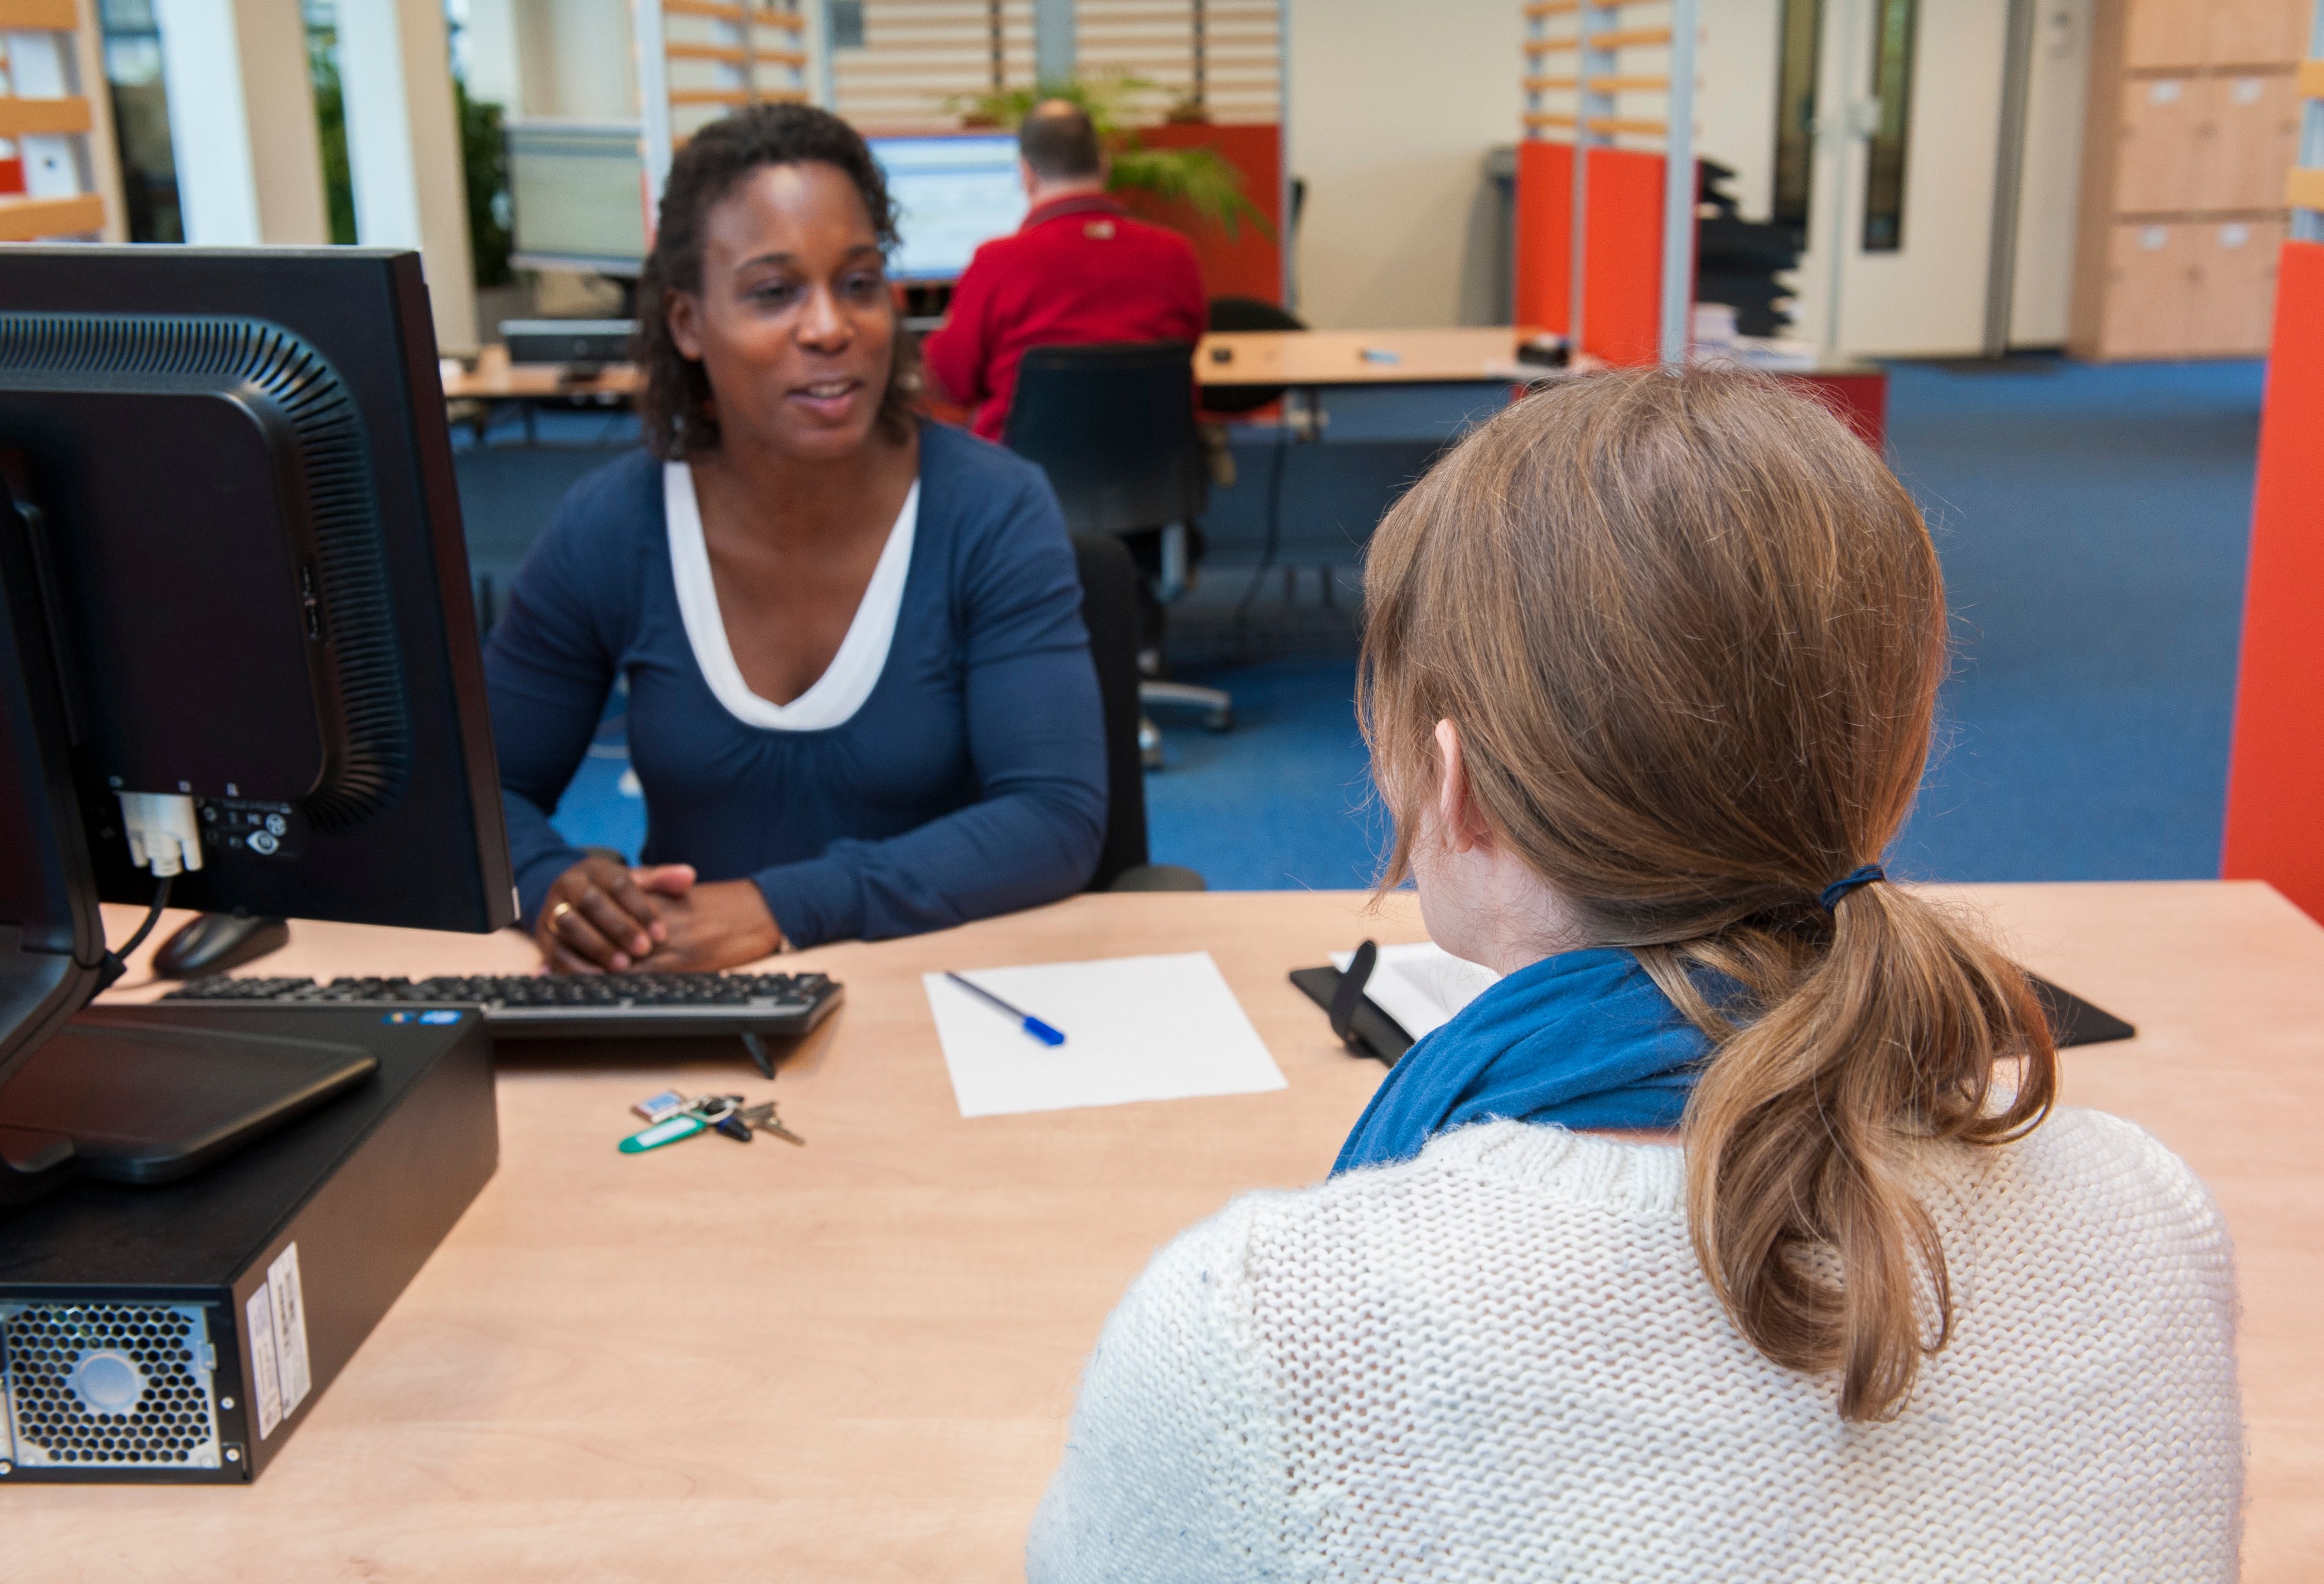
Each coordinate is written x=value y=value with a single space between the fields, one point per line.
x=970 y=782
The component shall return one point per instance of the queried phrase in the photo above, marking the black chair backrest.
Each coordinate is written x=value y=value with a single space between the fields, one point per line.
x=1246 y=313
x=1251 y=313
x=1109 y=611
x=1112 y=424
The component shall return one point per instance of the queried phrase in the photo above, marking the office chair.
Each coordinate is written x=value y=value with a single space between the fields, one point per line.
x=1112 y=424
x=1109 y=611
x=1230 y=315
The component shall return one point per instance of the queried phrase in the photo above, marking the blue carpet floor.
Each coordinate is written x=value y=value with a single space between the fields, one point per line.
x=2093 y=524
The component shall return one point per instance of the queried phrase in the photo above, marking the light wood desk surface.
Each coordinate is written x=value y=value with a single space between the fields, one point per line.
x=1259 y=358
x=1308 y=359
x=1467 y=355
x=496 y=379
x=854 y=1360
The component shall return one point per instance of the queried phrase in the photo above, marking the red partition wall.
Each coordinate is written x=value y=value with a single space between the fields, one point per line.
x=1249 y=264
x=1622 y=245
x=2275 y=773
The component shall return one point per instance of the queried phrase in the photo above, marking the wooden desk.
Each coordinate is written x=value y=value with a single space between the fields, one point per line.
x=1264 y=357
x=1315 y=362
x=854 y=1360
x=496 y=379
x=1312 y=358
x=1311 y=361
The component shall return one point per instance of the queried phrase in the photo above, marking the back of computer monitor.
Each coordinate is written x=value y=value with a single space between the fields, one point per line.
x=232 y=470
x=52 y=936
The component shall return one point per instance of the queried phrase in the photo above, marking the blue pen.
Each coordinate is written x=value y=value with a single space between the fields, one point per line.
x=1032 y=1025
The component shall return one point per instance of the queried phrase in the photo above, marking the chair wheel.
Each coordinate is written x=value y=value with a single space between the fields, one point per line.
x=1219 y=720
x=1150 y=744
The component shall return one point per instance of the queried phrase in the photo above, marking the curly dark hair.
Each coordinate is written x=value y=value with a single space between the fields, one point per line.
x=674 y=407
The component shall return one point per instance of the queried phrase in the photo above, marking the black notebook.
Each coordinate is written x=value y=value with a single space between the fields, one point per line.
x=1371 y=1032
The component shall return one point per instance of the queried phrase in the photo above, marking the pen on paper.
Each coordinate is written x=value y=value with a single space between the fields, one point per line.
x=1025 y=1020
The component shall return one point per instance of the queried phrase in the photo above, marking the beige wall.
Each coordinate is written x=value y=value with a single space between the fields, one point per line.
x=576 y=60
x=1735 y=97
x=1392 y=108
x=1393 y=111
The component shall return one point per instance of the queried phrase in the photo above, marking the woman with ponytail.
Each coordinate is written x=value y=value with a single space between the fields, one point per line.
x=1736 y=1231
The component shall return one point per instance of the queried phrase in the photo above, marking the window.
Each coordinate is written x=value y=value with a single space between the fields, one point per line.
x=141 y=121
x=1892 y=84
x=1798 y=60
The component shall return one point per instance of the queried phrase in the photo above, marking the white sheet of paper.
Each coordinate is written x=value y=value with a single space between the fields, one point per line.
x=1163 y=1027
x=1421 y=984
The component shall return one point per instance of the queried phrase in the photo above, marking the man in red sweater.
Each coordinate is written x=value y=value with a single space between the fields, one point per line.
x=1078 y=269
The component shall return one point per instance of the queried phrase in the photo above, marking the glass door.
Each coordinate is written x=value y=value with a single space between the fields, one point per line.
x=1906 y=139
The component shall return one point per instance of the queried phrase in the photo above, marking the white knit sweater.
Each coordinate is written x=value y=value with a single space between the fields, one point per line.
x=1502 y=1361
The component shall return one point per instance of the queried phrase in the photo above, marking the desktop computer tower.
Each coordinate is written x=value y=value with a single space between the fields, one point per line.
x=183 y=1332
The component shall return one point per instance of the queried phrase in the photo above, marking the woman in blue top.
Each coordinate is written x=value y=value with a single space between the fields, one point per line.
x=861 y=699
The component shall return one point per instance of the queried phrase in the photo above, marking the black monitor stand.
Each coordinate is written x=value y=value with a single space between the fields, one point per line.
x=131 y=1102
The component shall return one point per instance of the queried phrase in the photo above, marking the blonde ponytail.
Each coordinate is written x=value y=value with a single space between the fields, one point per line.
x=1691 y=632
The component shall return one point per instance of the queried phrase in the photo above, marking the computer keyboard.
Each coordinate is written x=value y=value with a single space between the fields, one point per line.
x=578 y=1006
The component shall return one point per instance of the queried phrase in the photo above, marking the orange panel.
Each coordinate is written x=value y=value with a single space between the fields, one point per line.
x=1545 y=229
x=1622 y=279
x=2275 y=775
x=1622 y=272
x=1251 y=264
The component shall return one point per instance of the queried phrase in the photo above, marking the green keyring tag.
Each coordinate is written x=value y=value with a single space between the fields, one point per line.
x=662 y=1133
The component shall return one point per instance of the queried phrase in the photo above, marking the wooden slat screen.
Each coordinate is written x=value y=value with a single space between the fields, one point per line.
x=1225 y=55
x=716 y=61
x=1628 y=103
x=919 y=53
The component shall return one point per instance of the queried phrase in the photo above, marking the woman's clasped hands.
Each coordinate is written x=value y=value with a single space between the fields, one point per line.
x=603 y=916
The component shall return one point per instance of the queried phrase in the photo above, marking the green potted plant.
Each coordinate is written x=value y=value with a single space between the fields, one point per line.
x=1207 y=185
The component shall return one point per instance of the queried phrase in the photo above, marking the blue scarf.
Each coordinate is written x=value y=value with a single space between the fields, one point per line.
x=1583 y=1039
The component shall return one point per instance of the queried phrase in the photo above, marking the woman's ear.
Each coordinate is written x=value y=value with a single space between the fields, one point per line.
x=1457 y=815
x=682 y=312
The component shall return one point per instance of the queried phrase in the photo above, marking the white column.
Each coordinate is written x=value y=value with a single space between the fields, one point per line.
x=495 y=71
x=241 y=122
x=403 y=150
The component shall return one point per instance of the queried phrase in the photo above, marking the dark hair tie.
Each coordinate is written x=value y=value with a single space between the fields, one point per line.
x=1829 y=898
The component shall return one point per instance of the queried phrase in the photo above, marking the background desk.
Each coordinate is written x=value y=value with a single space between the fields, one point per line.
x=1343 y=361
x=854 y=1360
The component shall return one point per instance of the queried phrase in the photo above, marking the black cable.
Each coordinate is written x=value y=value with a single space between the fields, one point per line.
x=115 y=961
x=1274 y=536
x=153 y=918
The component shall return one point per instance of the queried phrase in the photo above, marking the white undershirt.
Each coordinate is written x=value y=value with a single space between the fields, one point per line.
x=862 y=654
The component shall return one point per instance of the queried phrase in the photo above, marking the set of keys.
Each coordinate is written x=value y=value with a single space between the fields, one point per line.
x=670 y=1117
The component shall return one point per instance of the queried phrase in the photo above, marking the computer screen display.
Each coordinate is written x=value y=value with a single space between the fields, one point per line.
x=956 y=193
x=577 y=196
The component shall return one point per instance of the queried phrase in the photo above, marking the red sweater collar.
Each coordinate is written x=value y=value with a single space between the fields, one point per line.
x=1080 y=203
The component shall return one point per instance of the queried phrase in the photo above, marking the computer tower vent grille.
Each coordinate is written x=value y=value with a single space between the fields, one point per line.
x=109 y=1386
